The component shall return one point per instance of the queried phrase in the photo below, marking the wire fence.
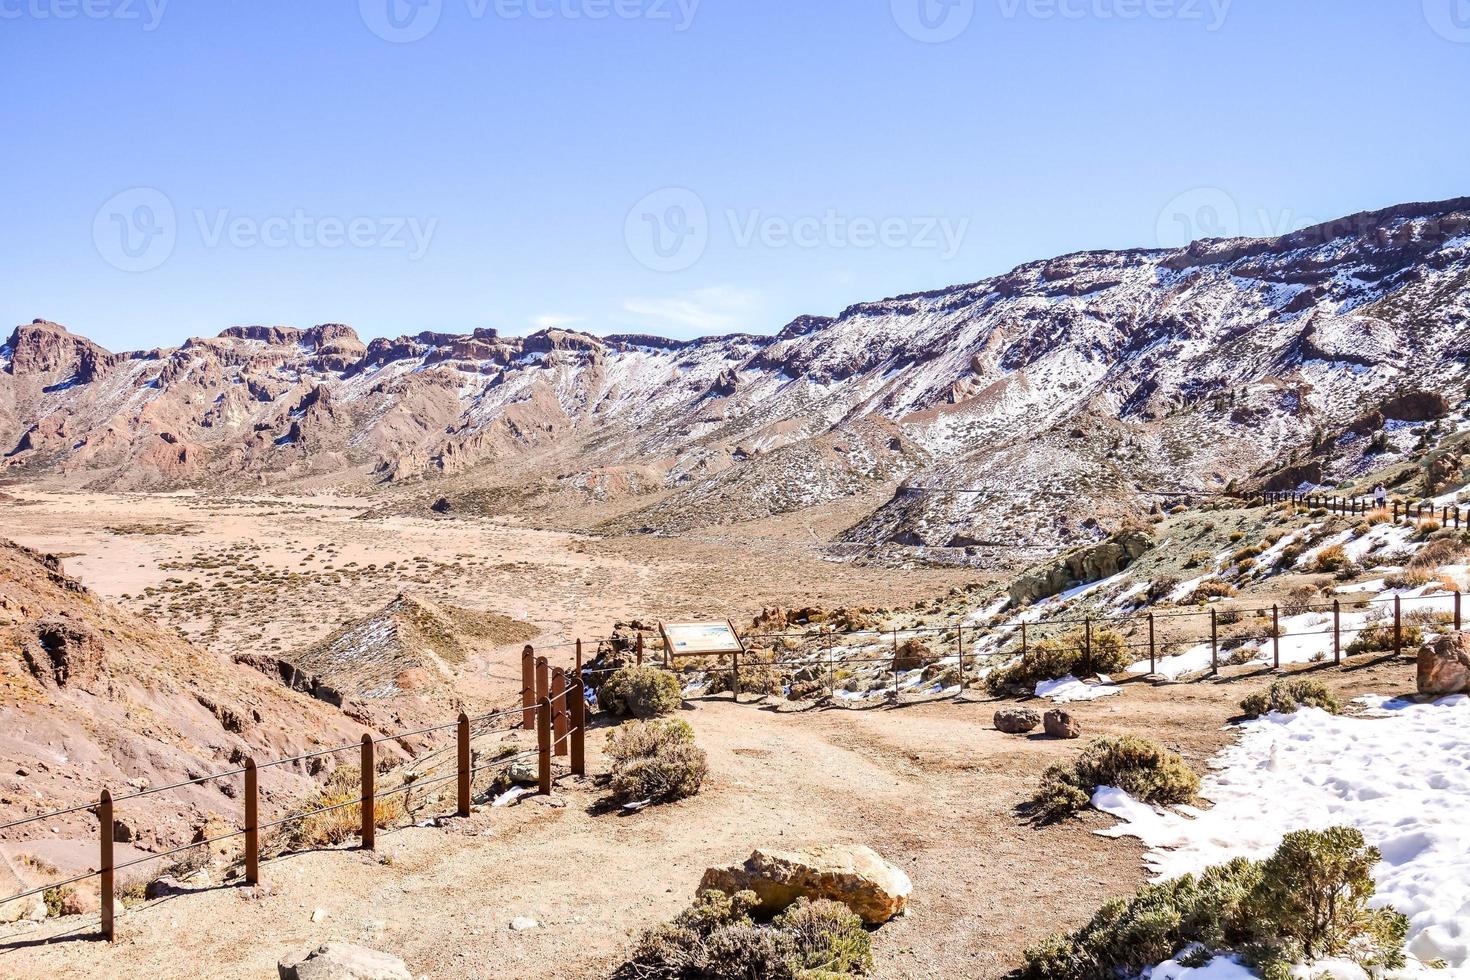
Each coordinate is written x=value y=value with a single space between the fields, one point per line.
x=1412 y=511
x=552 y=706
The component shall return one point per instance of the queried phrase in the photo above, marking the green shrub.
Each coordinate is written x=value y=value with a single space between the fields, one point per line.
x=642 y=692
x=655 y=760
x=1287 y=695
x=1309 y=901
x=716 y=937
x=1071 y=654
x=1145 y=770
x=1378 y=637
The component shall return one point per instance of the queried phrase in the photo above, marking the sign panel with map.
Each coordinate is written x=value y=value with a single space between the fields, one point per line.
x=700 y=639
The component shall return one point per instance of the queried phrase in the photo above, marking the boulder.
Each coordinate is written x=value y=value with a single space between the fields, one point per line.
x=343 y=961
x=1060 y=724
x=851 y=874
x=1444 y=666
x=1016 y=721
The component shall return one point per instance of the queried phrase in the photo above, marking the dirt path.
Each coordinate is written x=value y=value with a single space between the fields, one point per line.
x=932 y=787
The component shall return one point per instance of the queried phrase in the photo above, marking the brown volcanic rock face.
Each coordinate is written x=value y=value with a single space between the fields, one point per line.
x=1075 y=384
x=92 y=697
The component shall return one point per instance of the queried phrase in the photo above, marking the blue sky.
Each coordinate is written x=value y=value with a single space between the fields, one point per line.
x=675 y=166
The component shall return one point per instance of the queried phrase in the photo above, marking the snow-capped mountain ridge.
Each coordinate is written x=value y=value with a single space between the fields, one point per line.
x=1071 y=381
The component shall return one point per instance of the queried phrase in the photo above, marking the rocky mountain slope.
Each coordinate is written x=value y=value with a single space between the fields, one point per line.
x=93 y=697
x=1040 y=407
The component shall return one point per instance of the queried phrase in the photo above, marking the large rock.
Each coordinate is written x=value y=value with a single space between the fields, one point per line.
x=343 y=961
x=848 y=873
x=1061 y=724
x=1444 y=667
x=1016 y=721
x=1090 y=564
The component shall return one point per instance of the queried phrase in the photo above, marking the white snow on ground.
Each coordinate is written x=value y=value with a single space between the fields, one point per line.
x=1400 y=774
x=1219 y=968
x=1069 y=688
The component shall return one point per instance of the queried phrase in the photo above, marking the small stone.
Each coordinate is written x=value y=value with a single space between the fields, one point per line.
x=1061 y=724
x=1016 y=721
x=318 y=914
x=523 y=924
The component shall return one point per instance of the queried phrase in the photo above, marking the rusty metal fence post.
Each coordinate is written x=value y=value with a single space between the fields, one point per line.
x=369 y=796
x=462 y=738
x=252 y=823
x=105 y=865
x=528 y=688
x=543 y=746
x=559 y=712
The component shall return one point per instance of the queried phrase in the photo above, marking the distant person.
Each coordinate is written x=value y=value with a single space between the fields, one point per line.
x=1380 y=497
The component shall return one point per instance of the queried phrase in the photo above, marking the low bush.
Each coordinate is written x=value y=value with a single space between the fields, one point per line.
x=1424 y=530
x=1300 y=600
x=655 y=760
x=1247 y=553
x=1330 y=559
x=640 y=692
x=1213 y=589
x=1287 y=695
x=759 y=674
x=1410 y=578
x=1309 y=901
x=342 y=791
x=717 y=937
x=1196 y=559
x=1378 y=637
x=1050 y=659
x=1145 y=770
x=1440 y=551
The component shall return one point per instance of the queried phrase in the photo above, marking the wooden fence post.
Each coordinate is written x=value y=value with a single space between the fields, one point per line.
x=1398 y=627
x=462 y=732
x=543 y=746
x=559 y=711
x=894 y=665
x=1275 y=636
x=105 y=865
x=960 y=643
x=1087 y=638
x=1337 y=631
x=543 y=680
x=252 y=823
x=638 y=646
x=1153 y=665
x=735 y=677
x=579 y=730
x=369 y=796
x=1023 y=639
x=528 y=688
x=1214 y=641
x=1457 y=610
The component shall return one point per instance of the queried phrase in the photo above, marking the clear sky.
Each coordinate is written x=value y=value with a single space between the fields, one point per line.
x=172 y=167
